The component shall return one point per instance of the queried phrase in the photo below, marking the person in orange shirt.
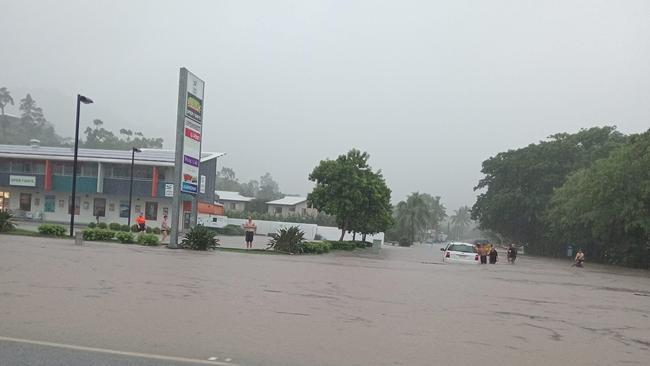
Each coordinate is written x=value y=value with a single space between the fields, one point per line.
x=142 y=224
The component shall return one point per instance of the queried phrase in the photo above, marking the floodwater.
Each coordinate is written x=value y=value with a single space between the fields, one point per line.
x=401 y=307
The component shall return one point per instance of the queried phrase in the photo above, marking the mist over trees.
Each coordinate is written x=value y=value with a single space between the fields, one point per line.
x=32 y=124
x=262 y=191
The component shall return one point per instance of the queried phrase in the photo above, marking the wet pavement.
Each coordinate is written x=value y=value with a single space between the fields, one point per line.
x=399 y=307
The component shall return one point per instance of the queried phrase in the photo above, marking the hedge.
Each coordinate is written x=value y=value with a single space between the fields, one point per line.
x=52 y=229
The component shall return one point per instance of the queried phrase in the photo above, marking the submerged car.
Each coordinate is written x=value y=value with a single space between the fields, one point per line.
x=459 y=253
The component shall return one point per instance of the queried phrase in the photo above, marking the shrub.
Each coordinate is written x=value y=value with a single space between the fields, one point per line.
x=124 y=237
x=135 y=228
x=92 y=225
x=98 y=234
x=102 y=225
x=318 y=237
x=148 y=230
x=316 y=247
x=148 y=239
x=6 y=221
x=114 y=226
x=125 y=228
x=200 y=238
x=156 y=230
x=287 y=240
x=52 y=229
x=363 y=244
x=342 y=245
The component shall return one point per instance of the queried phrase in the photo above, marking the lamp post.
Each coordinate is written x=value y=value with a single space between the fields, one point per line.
x=133 y=151
x=73 y=204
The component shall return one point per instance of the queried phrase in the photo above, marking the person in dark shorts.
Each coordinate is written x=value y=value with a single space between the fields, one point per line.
x=493 y=255
x=250 y=228
x=512 y=253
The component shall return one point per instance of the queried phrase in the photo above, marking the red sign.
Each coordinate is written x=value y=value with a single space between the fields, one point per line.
x=192 y=134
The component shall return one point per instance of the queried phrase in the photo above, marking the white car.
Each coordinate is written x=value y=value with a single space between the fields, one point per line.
x=460 y=253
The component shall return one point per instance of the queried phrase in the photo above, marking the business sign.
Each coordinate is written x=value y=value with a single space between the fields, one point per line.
x=22 y=180
x=202 y=187
x=192 y=130
x=169 y=190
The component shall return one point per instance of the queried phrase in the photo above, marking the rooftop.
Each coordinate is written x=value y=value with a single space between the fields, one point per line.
x=232 y=196
x=288 y=201
x=157 y=157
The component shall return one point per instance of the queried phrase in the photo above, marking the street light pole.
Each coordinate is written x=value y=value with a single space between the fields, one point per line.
x=73 y=204
x=133 y=151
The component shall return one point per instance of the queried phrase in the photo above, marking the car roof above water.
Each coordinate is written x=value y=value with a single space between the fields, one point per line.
x=459 y=243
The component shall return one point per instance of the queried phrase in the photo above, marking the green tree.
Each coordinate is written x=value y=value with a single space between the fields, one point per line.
x=413 y=215
x=518 y=184
x=346 y=188
x=100 y=138
x=31 y=114
x=250 y=189
x=269 y=189
x=375 y=213
x=5 y=99
x=227 y=181
x=605 y=208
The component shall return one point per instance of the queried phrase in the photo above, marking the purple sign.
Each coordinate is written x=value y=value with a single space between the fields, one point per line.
x=190 y=160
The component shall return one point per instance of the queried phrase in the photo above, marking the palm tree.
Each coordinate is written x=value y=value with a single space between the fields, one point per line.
x=413 y=214
x=5 y=99
x=461 y=220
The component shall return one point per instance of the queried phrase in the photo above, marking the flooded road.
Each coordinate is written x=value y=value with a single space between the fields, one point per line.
x=401 y=307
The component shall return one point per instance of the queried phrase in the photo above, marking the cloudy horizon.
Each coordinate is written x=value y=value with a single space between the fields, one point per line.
x=429 y=90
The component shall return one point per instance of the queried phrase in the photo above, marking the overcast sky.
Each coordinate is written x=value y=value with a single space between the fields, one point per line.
x=429 y=89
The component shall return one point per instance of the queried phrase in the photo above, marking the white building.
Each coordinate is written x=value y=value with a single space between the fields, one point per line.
x=290 y=205
x=232 y=201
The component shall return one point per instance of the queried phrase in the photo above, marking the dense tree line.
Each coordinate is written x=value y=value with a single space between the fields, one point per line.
x=588 y=189
x=416 y=217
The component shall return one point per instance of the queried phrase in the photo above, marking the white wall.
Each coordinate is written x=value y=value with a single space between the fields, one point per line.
x=310 y=230
x=334 y=233
x=268 y=227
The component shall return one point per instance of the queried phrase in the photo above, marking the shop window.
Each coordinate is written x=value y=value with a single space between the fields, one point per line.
x=99 y=207
x=25 y=202
x=77 y=205
x=151 y=211
x=124 y=209
x=50 y=203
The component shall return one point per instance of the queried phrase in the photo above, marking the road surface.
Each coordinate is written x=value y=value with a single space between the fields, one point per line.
x=401 y=307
